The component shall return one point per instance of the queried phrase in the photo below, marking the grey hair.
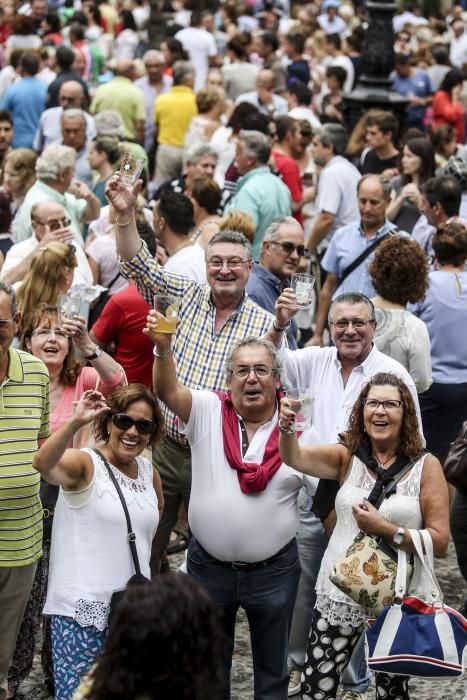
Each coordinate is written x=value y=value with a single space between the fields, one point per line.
x=10 y=292
x=109 y=123
x=53 y=160
x=255 y=144
x=272 y=231
x=153 y=53
x=336 y=136
x=73 y=113
x=385 y=184
x=253 y=340
x=353 y=298
x=182 y=71
x=198 y=151
x=230 y=236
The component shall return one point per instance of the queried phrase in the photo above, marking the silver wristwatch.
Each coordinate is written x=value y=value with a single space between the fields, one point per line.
x=97 y=353
x=399 y=536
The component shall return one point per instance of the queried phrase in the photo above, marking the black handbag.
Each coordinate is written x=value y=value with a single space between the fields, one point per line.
x=455 y=464
x=137 y=577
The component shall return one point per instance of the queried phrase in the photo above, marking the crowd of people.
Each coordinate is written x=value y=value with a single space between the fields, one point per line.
x=122 y=442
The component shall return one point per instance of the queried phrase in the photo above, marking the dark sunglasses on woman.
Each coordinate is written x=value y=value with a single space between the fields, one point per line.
x=124 y=422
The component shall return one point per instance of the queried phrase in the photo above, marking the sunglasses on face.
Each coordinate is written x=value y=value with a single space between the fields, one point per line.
x=124 y=422
x=290 y=248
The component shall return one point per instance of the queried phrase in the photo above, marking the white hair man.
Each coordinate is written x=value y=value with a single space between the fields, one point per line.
x=55 y=170
x=70 y=96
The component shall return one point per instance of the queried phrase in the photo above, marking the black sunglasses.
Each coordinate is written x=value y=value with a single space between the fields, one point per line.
x=289 y=248
x=124 y=422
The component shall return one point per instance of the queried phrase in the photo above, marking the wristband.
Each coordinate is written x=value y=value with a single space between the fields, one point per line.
x=162 y=354
x=287 y=431
x=281 y=329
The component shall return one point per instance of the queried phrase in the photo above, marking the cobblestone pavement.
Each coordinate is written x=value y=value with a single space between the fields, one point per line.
x=454 y=589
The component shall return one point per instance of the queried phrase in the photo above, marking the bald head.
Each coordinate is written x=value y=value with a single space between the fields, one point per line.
x=124 y=68
x=265 y=80
x=373 y=196
x=48 y=216
x=71 y=94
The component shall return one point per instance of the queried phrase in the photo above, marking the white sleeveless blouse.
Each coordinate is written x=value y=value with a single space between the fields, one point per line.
x=402 y=509
x=90 y=555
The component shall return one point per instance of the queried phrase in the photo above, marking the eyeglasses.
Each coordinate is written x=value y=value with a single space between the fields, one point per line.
x=124 y=422
x=243 y=371
x=43 y=333
x=231 y=263
x=5 y=322
x=55 y=224
x=388 y=405
x=355 y=322
x=290 y=248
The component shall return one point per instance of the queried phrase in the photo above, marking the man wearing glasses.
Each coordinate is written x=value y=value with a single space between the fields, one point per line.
x=213 y=316
x=282 y=248
x=333 y=376
x=24 y=424
x=243 y=511
x=49 y=222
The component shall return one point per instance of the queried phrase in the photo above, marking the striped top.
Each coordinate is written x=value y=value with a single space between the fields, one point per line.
x=24 y=418
x=199 y=351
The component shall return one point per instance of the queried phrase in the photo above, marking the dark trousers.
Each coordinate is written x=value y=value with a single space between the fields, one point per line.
x=444 y=408
x=459 y=533
x=268 y=596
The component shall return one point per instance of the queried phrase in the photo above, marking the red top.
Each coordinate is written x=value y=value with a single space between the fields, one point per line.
x=289 y=171
x=445 y=111
x=122 y=322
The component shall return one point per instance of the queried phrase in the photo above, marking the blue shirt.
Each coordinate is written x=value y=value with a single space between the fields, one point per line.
x=264 y=197
x=417 y=85
x=346 y=245
x=444 y=311
x=264 y=288
x=25 y=100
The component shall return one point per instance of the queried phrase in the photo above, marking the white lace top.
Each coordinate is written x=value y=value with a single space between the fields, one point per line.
x=402 y=509
x=90 y=555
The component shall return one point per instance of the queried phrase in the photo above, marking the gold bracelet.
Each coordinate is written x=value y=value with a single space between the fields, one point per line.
x=123 y=223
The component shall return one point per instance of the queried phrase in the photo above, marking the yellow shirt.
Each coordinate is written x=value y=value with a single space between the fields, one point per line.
x=173 y=112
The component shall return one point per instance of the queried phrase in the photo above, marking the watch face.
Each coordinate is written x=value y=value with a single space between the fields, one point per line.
x=398 y=538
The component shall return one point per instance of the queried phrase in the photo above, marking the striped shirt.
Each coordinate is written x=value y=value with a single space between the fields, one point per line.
x=24 y=418
x=199 y=351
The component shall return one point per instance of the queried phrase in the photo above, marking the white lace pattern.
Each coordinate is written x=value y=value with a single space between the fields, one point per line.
x=402 y=509
x=92 y=612
x=135 y=490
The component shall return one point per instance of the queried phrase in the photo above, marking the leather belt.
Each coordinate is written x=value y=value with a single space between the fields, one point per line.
x=250 y=566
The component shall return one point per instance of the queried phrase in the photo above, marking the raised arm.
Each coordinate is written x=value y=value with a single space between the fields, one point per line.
x=71 y=469
x=166 y=385
x=123 y=199
x=104 y=364
x=325 y=462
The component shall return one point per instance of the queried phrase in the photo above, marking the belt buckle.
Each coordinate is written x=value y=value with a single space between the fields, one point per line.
x=239 y=565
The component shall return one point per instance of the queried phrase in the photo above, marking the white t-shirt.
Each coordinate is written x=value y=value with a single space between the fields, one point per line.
x=200 y=45
x=229 y=524
x=337 y=193
x=189 y=262
x=307 y=113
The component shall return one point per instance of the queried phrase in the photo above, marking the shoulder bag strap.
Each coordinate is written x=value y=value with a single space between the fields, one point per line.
x=363 y=256
x=131 y=534
x=112 y=282
x=395 y=480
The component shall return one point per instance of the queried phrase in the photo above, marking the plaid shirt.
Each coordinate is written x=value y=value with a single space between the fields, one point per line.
x=199 y=351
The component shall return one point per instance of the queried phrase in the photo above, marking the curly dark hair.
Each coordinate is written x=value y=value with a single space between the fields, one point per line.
x=119 y=401
x=411 y=443
x=165 y=643
x=399 y=271
x=47 y=316
x=450 y=244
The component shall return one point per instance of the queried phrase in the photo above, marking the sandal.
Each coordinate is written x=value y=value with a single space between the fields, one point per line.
x=180 y=542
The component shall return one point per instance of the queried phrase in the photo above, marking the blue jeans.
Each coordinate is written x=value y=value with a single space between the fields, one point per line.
x=267 y=595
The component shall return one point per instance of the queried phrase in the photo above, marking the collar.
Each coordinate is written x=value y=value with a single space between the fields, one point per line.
x=260 y=170
x=387 y=226
x=211 y=304
x=365 y=366
x=15 y=370
x=263 y=273
x=181 y=88
x=122 y=78
x=53 y=194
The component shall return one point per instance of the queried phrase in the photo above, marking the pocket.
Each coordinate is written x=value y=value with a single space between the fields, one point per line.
x=196 y=555
x=288 y=561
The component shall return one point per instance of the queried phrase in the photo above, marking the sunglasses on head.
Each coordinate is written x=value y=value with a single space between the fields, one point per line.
x=124 y=422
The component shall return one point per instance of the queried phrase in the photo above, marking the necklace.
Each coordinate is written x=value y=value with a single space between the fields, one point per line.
x=383 y=464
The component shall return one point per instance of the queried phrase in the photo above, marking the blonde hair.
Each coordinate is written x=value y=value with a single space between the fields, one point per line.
x=46 y=278
x=23 y=162
x=237 y=220
x=207 y=98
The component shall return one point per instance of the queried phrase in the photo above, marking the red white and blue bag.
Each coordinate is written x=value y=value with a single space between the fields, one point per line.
x=418 y=636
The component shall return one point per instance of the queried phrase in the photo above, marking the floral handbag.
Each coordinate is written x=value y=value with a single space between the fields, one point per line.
x=366 y=571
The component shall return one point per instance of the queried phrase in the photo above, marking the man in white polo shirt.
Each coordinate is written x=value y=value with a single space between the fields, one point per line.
x=243 y=508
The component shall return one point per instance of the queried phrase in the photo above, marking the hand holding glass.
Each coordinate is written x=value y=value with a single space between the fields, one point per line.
x=301 y=404
x=68 y=307
x=169 y=307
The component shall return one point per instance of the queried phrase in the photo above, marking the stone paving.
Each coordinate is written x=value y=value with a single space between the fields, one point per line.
x=454 y=589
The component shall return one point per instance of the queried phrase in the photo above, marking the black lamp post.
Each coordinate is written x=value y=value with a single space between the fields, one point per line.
x=374 y=86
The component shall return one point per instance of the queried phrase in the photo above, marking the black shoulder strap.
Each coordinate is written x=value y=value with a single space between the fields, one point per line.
x=111 y=284
x=390 y=486
x=131 y=534
x=363 y=256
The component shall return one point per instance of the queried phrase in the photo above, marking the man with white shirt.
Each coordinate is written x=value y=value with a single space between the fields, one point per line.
x=243 y=509
x=264 y=97
x=329 y=20
x=73 y=125
x=458 y=50
x=173 y=221
x=337 y=191
x=153 y=84
x=201 y=47
x=333 y=376
x=336 y=57
x=49 y=222
x=71 y=96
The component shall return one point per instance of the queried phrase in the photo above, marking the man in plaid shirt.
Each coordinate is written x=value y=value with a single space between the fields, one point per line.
x=213 y=317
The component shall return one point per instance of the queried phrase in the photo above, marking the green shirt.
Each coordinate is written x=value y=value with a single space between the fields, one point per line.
x=24 y=418
x=120 y=95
